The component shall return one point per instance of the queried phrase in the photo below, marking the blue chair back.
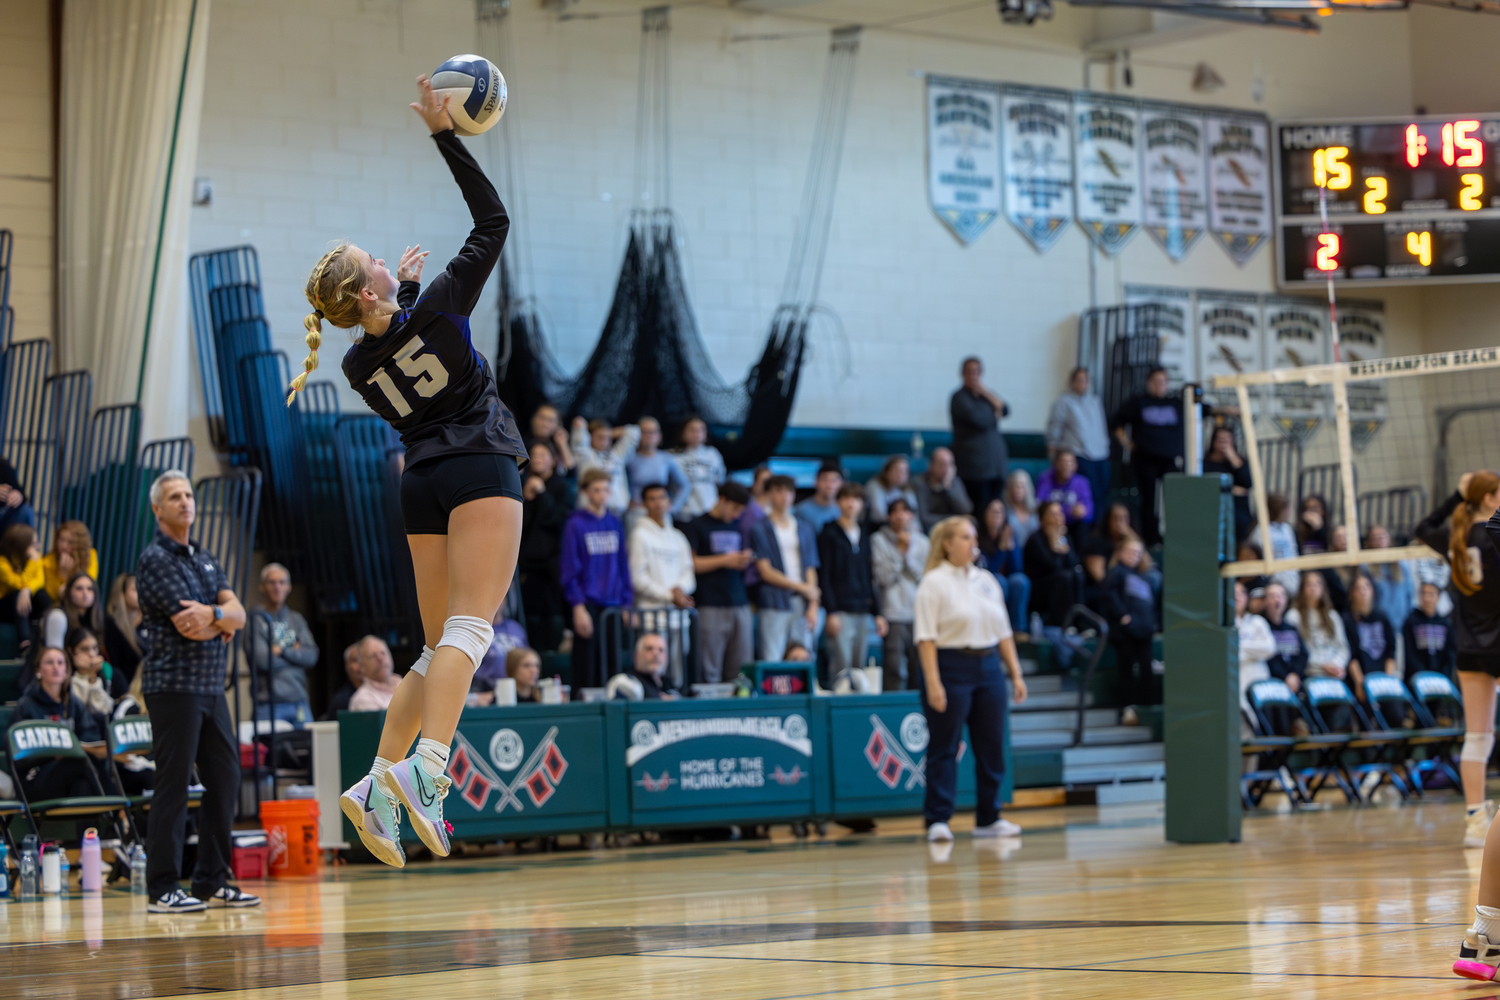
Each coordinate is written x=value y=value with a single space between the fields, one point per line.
x=1273 y=694
x=1434 y=689
x=1390 y=700
x=1326 y=692
x=40 y=740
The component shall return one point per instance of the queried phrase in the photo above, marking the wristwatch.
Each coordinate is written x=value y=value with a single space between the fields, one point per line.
x=218 y=613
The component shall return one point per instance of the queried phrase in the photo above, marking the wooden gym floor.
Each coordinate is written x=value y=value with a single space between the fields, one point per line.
x=1362 y=903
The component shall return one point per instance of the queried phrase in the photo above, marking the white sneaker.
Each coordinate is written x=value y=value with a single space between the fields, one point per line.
x=1002 y=827
x=377 y=819
x=176 y=901
x=1479 y=826
x=1477 y=958
x=939 y=831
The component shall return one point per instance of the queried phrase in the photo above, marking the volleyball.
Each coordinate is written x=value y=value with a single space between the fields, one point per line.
x=477 y=89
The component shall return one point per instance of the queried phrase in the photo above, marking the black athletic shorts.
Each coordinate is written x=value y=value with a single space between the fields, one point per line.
x=432 y=488
x=1479 y=663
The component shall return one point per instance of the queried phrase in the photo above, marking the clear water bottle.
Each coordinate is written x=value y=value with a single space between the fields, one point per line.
x=138 y=870
x=30 y=875
x=4 y=871
x=1036 y=627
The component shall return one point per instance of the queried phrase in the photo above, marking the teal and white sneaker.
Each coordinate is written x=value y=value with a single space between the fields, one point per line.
x=422 y=795
x=377 y=817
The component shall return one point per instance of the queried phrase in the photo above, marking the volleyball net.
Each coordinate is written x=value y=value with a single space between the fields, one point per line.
x=1380 y=441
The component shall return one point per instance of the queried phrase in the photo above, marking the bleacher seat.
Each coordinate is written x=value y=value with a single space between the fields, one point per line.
x=131 y=736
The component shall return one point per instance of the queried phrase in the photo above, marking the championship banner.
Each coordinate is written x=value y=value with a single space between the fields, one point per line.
x=1174 y=328
x=1036 y=148
x=963 y=154
x=1229 y=340
x=1107 y=168
x=1239 y=182
x=1362 y=338
x=1176 y=193
x=1297 y=335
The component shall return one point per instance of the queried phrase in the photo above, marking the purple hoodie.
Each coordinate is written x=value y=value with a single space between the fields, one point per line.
x=1075 y=490
x=594 y=566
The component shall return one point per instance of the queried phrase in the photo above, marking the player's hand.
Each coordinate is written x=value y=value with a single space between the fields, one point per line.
x=410 y=267
x=432 y=109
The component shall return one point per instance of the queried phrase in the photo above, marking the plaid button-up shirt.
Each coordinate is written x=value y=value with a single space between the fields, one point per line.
x=167 y=574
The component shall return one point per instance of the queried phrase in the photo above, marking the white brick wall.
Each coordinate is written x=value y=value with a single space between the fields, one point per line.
x=26 y=161
x=307 y=138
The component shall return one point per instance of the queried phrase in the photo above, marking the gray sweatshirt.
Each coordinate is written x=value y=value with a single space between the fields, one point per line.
x=1077 y=424
x=299 y=654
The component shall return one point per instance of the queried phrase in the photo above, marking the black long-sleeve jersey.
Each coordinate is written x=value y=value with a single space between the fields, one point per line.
x=423 y=374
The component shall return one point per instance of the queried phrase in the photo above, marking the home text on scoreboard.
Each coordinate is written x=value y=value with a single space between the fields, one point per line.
x=1411 y=200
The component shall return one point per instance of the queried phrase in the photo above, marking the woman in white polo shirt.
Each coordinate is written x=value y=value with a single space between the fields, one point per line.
x=962 y=633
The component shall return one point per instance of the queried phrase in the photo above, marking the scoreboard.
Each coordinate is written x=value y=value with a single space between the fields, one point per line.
x=1409 y=201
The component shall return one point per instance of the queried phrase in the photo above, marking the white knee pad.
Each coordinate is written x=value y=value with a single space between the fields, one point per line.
x=470 y=636
x=420 y=667
x=1477 y=746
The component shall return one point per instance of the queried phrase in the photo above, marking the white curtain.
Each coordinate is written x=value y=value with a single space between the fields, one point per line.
x=132 y=78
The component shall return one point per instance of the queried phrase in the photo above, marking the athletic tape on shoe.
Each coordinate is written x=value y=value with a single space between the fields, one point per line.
x=470 y=636
x=1477 y=746
x=420 y=667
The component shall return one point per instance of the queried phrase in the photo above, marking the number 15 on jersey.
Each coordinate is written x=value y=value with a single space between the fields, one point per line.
x=427 y=372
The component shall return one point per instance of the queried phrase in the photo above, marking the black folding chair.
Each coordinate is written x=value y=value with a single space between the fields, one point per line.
x=38 y=742
x=1381 y=752
x=1391 y=703
x=1273 y=700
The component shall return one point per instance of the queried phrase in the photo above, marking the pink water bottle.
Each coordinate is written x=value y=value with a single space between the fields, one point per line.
x=89 y=861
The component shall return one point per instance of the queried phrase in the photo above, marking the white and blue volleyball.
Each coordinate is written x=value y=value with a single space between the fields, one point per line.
x=477 y=89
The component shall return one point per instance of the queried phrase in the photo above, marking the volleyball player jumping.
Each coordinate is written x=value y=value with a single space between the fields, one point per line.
x=460 y=492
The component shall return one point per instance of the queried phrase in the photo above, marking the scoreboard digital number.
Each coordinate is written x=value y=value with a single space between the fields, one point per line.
x=1408 y=201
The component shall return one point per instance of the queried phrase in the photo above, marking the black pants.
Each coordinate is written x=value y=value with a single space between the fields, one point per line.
x=1133 y=657
x=979 y=695
x=593 y=662
x=1148 y=472
x=25 y=625
x=189 y=729
x=542 y=599
x=982 y=491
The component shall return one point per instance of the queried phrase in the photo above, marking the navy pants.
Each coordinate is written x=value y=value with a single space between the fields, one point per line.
x=1097 y=473
x=978 y=694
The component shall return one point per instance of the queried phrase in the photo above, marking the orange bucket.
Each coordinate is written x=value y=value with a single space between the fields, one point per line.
x=292 y=835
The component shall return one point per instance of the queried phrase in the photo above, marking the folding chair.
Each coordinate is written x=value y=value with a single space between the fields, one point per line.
x=1324 y=749
x=131 y=737
x=1271 y=753
x=9 y=810
x=38 y=741
x=1390 y=702
x=1382 y=752
x=1440 y=696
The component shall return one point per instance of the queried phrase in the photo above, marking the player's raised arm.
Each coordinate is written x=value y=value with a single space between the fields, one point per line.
x=458 y=288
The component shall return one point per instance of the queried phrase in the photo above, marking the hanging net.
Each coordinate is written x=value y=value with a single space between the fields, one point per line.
x=650 y=359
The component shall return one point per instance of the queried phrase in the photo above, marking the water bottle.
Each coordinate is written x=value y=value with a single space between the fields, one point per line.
x=1036 y=627
x=51 y=871
x=917 y=444
x=138 y=871
x=4 y=871
x=89 y=860
x=30 y=868
x=64 y=869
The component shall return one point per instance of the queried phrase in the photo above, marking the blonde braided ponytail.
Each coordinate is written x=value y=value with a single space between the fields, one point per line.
x=333 y=290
